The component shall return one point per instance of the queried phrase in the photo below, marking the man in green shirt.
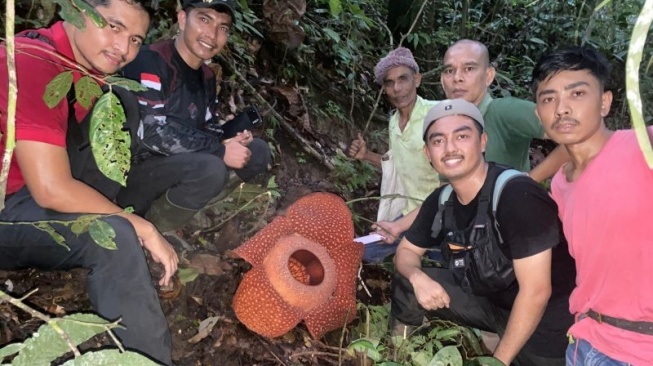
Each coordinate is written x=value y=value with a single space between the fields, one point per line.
x=511 y=123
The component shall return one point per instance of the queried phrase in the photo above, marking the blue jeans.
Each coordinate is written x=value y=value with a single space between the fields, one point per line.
x=581 y=353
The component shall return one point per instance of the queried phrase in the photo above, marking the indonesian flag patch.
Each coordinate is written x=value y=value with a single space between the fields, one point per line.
x=150 y=81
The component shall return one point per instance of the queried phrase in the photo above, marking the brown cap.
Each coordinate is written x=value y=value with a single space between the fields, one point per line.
x=452 y=107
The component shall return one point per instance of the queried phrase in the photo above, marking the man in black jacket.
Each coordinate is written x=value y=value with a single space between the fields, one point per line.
x=182 y=165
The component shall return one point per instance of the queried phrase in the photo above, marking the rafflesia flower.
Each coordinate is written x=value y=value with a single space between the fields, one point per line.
x=304 y=267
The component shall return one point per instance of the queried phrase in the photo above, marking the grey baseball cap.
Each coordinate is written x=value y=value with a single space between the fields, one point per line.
x=228 y=5
x=452 y=107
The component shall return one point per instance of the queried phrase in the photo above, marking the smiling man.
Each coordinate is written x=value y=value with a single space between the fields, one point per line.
x=181 y=165
x=510 y=274
x=605 y=202
x=42 y=184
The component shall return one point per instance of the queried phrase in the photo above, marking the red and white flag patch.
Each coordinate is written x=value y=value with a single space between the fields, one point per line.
x=150 y=81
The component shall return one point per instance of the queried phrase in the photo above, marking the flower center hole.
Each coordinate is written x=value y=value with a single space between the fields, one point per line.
x=306 y=268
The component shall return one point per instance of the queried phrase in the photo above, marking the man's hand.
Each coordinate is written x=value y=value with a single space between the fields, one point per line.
x=430 y=294
x=162 y=252
x=390 y=230
x=236 y=155
x=245 y=137
x=358 y=148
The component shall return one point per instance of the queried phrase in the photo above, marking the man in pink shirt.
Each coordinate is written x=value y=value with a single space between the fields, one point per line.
x=603 y=194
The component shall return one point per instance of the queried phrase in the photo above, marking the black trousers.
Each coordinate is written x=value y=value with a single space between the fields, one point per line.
x=464 y=308
x=191 y=180
x=119 y=282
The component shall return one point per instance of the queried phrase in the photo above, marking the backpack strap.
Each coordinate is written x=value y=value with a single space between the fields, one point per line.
x=445 y=193
x=500 y=183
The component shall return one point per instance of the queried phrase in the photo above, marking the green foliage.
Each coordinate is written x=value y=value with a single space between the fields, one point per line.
x=59 y=337
x=128 y=84
x=109 y=142
x=110 y=357
x=72 y=10
x=350 y=175
x=86 y=90
x=57 y=89
x=103 y=234
x=435 y=343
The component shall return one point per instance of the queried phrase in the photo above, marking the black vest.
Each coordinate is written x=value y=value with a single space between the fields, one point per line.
x=473 y=253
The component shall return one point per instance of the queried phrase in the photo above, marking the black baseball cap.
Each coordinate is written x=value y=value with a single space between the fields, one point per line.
x=228 y=6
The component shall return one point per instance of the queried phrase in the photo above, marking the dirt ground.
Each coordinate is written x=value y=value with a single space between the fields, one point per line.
x=207 y=297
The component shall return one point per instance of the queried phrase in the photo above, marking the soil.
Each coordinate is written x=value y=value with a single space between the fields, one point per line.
x=210 y=294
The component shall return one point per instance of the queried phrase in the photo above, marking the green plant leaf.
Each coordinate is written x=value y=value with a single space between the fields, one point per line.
x=71 y=14
x=87 y=89
x=57 y=88
x=367 y=347
x=103 y=234
x=72 y=11
x=488 y=361
x=110 y=357
x=187 y=275
x=335 y=6
x=82 y=223
x=448 y=333
x=10 y=349
x=46 y=344
x=448 y=356
x=110 y=144
x=128 y=84
x=332 y=34
x=58 y=238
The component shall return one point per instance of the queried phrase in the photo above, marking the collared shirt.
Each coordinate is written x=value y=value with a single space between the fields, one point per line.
x=413 y=168
x=35 y=68
x=510 y=124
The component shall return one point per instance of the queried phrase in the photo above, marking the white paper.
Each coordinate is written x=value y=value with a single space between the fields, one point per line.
x=368 y=239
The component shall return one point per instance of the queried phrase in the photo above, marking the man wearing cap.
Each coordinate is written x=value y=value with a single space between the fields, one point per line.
x=182 y=166
x=510 y=274
x=398 y=74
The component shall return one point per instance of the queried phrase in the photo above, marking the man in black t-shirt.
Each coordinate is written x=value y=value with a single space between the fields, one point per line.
x=181 y=165
x=529 y=309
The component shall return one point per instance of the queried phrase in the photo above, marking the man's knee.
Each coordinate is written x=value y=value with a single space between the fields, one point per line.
x=258 y=161
x=203 y=178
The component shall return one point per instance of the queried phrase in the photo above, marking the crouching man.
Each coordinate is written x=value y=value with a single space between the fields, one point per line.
x=508 y=272
x=45 y=184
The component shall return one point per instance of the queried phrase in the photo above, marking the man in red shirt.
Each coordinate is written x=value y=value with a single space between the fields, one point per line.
x=41 y=186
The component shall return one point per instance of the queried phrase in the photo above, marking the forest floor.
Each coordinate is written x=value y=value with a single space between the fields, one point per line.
x=206 y=299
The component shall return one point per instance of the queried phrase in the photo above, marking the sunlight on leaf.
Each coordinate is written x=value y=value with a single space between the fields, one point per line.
x=103 y=234
x=110 y=144
x=57 y=88
x=87 y=89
